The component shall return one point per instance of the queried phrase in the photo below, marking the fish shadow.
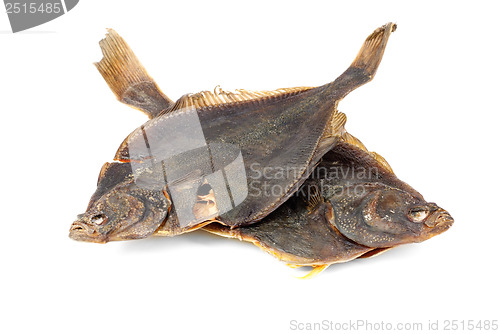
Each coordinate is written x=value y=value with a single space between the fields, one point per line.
x=162 y=244
x=201 y=239
x=395 y=255
x=400 y=253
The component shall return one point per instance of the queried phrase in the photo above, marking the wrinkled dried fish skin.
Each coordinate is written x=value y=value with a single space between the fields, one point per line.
x=119 y=210
x=373 y=207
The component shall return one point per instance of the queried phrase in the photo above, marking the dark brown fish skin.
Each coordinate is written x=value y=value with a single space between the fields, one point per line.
x=374 y=211
x=299 y=125
x=272 y=133
x=296 y=235
x=352 y=185
x=111 y=174
x=119 y=210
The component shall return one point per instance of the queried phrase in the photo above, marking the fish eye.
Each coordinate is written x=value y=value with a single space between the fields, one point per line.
x=98 y=219
x=418 y=215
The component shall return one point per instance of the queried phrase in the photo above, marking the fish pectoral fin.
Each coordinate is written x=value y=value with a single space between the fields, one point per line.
x=315 y=271
x=128 y=79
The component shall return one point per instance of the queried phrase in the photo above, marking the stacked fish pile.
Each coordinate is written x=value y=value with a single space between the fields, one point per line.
x=275 y=168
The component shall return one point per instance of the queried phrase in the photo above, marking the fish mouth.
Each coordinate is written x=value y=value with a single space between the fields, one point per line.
x=438 y=222
x=80 y=231
x=439 y=218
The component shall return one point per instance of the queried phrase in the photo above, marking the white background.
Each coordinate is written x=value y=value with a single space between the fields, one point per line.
x=431 y=111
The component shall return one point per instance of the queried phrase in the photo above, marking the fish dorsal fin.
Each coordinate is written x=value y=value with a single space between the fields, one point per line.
x=380 y=159
x=219 y=97
x=350 y=139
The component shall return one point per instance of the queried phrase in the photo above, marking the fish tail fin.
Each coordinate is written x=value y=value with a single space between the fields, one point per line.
x=364 y=66
x=127 y=78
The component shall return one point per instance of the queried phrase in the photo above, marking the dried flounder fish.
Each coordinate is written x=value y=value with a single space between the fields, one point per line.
x=352 y=206
x=206 y=157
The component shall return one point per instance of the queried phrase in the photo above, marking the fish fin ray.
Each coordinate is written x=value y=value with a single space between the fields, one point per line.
x=219 y=97
x=315 y=271
x=350 y=139
x=127 y=78
x=371 y=53
x=313 y=199
x=364 y=66
x=337 y=125
x=380 y=159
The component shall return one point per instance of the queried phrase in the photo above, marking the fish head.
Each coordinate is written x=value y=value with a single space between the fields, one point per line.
x=383 y=216
x=121 y=210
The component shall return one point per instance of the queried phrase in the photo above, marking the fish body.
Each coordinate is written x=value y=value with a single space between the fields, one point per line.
x=351 y=206
x=206 y=157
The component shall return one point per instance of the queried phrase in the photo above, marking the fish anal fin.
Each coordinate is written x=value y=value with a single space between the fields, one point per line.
x=127 y=78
